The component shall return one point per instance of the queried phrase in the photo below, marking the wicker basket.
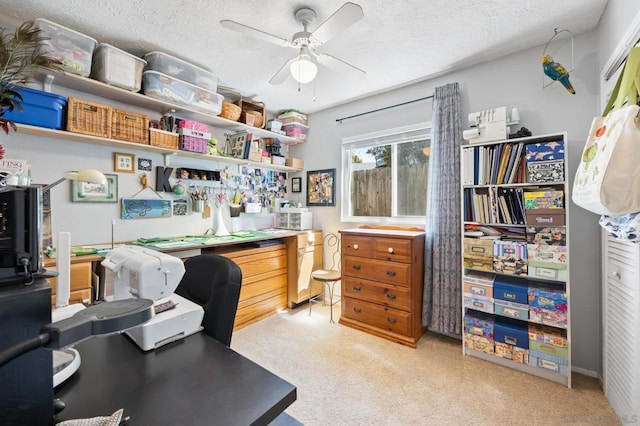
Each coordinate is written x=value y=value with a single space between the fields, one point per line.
x=257 y=109
x=252 y=118
x=88 y=118
x=163 y=139
x=230 y=111
x=129 y=126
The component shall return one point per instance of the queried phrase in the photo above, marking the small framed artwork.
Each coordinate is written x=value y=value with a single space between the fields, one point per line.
x=124 y=163
x=138 y=208
x=321 y=187
x=144 y=164
x=296 y=184
x=85 y=192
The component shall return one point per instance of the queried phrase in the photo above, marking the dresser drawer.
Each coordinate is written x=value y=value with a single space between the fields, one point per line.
x=376 y=315
x=393 y=250
x=378 y=270
x=393 y=296
x=362 y=246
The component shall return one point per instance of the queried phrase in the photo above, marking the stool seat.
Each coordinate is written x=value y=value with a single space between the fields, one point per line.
x=326 y=275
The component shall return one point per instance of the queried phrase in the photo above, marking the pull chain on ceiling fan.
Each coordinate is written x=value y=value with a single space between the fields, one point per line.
x=304 y=66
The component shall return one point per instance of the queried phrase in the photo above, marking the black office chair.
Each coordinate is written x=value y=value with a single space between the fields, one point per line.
x=213 y=282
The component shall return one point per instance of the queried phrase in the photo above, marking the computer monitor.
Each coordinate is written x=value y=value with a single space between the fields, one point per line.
x=20 y=234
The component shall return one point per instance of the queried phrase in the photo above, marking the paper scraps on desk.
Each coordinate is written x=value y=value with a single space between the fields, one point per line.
x=113 y=420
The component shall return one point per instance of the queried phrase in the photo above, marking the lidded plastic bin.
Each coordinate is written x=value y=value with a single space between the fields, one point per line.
x=117 y=67
x=42 y=109
x=166 y=88
x=296 y=130
x=71 y=47
x=182 y=70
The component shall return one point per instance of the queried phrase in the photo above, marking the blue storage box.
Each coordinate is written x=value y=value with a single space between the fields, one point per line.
x=510 y=289
x=42 y=109
x=545 y=151
x=514 y=333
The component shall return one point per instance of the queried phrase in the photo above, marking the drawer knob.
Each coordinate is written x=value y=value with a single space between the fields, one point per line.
x=355 y=247
x=390 y=249
x=391 y=296
x=357 y=288
x=616 y=275
x=356 y=267
x=357 y=310
x=391 y=320
x=391 y=273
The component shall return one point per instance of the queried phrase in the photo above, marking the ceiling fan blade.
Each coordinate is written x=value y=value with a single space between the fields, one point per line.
x=340 y=66
x=241 y=28
x=281 y=75
x=343 y=18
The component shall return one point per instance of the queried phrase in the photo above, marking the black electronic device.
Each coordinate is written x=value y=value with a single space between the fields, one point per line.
x=20 y=225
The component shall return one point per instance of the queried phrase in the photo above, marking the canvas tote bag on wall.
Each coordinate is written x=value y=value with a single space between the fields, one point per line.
x=608 y=178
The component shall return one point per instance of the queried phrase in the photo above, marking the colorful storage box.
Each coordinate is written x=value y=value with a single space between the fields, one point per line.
x=511 y=310
x=547 y=262
x=479 y=303
x=549 y=335
x=510 y=289
x=548 y=362
x=514 y=353
x=544 y=235
x=544 y=199
x=296 y=130
x=170 y=89
x=544 y=151
x=510 y=257
x=70 y=47
x=193 y=140
x=479 y=343
x=117 y=67
x=545 y=217
x=478 y=247
x=479 y=324
x=42 y=109
x=545 y=172
x=478 y=284
x=182 y=70
x=514 y=333
x=548 y=305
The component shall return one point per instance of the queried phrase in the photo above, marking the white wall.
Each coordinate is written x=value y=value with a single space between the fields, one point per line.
x=90 y=223
x=515 y=80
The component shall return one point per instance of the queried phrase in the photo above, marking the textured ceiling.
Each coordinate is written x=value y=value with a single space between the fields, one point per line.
x=396 y=42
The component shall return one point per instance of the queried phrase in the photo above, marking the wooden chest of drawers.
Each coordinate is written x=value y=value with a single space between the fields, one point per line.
x=382 y=280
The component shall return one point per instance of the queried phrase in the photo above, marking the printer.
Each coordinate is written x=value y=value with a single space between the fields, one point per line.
x=145 y=273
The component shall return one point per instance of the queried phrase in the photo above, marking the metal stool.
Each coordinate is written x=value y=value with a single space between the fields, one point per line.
x=331 y=275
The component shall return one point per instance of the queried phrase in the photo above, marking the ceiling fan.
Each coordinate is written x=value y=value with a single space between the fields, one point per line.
x=302 y=67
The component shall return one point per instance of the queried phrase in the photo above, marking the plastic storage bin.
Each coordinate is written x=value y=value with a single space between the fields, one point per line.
x=170 y=89
x=170 y=65
x=39 y=108
x=72 y=48
x=117 y=67
x=296 y=130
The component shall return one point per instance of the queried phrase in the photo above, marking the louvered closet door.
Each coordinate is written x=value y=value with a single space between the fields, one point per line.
x=621 y=322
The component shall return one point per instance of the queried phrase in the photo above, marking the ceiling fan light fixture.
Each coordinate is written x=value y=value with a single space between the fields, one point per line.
x=303 y=70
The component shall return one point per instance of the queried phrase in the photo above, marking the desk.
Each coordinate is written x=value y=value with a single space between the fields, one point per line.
x=195 y=381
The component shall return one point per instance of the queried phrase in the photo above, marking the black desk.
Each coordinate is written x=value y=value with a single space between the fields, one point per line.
x=197 y=381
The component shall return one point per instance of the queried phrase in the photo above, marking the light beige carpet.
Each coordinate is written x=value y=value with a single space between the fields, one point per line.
x=344 y=376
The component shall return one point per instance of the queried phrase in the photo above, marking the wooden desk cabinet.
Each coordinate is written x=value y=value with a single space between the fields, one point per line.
x=382 y=281
x=264 y=280
x=80 y=278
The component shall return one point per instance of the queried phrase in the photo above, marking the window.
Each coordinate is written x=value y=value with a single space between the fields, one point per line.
x=385 y=175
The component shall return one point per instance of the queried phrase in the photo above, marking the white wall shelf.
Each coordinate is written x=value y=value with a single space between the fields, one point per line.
x=168 y=153
x=98 y=88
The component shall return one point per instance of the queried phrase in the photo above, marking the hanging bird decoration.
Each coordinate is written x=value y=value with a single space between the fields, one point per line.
x=557 y=72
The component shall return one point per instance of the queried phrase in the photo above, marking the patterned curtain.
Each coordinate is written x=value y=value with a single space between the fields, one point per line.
x=441 y=309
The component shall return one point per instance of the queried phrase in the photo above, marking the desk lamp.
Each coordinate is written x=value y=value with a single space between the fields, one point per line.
x=84 y=175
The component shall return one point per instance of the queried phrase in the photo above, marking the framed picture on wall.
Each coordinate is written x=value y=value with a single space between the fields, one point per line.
x=85 y=192
x=296 y=184
x=321 y=187
x=124 y=163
